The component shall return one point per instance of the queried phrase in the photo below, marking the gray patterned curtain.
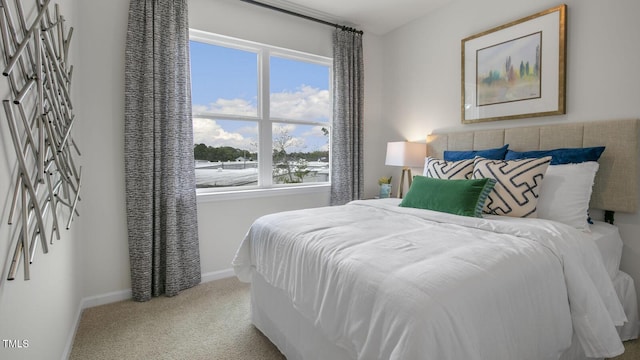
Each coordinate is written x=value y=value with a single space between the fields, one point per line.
x=347 y=136
x=160 y=177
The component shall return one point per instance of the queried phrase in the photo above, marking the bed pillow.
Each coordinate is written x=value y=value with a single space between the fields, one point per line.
x=495 y=154
x=560 y=156
x=566 y=193
x=464 y=197
x=442 y=169
x=517 y=185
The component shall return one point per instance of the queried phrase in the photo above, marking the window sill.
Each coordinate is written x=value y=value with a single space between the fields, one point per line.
x=204 y=196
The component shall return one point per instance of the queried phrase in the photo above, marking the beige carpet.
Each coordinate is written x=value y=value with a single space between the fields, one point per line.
x=210 y=321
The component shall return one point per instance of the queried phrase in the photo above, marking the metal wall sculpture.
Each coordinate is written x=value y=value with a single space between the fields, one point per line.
x=40 y=118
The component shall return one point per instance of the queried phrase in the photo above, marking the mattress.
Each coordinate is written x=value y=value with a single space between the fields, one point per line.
x=381 y=281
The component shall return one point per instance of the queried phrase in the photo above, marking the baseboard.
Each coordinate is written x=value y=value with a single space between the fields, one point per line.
x=72 y=335
x=121 y=295
x=107 y=298
x=217 y=275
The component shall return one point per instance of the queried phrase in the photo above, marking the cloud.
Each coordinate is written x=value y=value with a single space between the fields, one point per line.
x=207 y=131
x=318 y=138
x=306 y=103
x=228 y=106
x=281 y=128
x=316 y=131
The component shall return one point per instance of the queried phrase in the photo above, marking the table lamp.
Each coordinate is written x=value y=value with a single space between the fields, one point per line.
x=407 y=155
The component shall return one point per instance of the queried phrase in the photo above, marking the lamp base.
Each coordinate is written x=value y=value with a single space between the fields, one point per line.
x=410 y=178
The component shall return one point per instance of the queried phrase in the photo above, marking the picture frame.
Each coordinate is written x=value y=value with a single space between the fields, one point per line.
x=516 y=70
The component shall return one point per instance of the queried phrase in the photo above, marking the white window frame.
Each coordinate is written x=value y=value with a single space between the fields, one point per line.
x=265 y=122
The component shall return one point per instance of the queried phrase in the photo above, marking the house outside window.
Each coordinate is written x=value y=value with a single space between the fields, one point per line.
x=261 y=115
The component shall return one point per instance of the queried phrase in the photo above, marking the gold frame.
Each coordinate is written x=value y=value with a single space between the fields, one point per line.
x=545 y=104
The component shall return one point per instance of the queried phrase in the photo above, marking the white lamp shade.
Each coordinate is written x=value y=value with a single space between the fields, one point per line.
x=406 y=154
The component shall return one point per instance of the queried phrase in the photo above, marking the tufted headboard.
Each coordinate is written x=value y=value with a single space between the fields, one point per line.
x=616 y=183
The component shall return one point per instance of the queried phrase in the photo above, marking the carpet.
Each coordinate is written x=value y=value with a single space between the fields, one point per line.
x=210 y=321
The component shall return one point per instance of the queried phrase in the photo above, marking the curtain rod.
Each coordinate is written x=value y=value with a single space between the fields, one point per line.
x=271 y=7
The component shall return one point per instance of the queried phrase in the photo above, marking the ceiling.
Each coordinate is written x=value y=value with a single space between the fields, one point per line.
x=375 y=16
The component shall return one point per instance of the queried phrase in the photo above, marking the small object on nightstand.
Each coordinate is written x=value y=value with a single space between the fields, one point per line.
x=385 y=187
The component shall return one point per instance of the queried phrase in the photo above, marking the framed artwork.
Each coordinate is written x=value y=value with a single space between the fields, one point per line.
x=516 y=70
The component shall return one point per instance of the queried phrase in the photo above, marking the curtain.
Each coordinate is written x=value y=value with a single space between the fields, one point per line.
x=160 y=175
x=347 y=136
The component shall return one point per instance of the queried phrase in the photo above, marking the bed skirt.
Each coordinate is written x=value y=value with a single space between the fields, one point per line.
x=623 y=283
x=272 y=312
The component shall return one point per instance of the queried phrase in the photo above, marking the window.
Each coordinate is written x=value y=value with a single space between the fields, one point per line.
x=261 y=115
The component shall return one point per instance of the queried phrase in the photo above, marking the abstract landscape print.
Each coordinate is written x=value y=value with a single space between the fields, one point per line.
x=509 y=71
x=516 y=70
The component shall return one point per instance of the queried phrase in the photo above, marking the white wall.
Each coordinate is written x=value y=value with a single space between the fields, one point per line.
x=100 y=82
x=422 y=74
x=44 y=309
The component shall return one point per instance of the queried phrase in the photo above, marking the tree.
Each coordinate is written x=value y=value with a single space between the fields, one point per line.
x=536 y=66
x=200 y=152
x=507 y=66
x=509 y=69
x=286 y=169
x=220 y=153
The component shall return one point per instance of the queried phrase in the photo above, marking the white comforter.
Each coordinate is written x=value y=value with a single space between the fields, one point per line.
x=386 y=282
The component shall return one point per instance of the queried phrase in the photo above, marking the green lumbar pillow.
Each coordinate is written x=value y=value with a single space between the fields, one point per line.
x=460 y=197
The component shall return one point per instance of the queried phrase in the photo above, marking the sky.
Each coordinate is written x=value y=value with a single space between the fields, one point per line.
x=225 y=80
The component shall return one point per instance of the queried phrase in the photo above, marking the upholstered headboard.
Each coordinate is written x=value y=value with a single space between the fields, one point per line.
x=616 y=183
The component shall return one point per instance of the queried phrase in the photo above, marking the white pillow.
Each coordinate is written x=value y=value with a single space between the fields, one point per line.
x=566 y=193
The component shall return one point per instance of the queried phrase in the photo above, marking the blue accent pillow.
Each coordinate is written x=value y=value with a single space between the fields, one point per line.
x=560 y=156
x=491 y=154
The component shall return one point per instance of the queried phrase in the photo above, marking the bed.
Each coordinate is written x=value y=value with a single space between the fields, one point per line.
x=374 y=280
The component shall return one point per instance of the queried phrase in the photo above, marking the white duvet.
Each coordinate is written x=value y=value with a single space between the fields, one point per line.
x=386 y=282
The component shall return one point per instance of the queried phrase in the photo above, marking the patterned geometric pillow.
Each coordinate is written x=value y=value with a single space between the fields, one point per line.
x=517 y=184
x=442 y=169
